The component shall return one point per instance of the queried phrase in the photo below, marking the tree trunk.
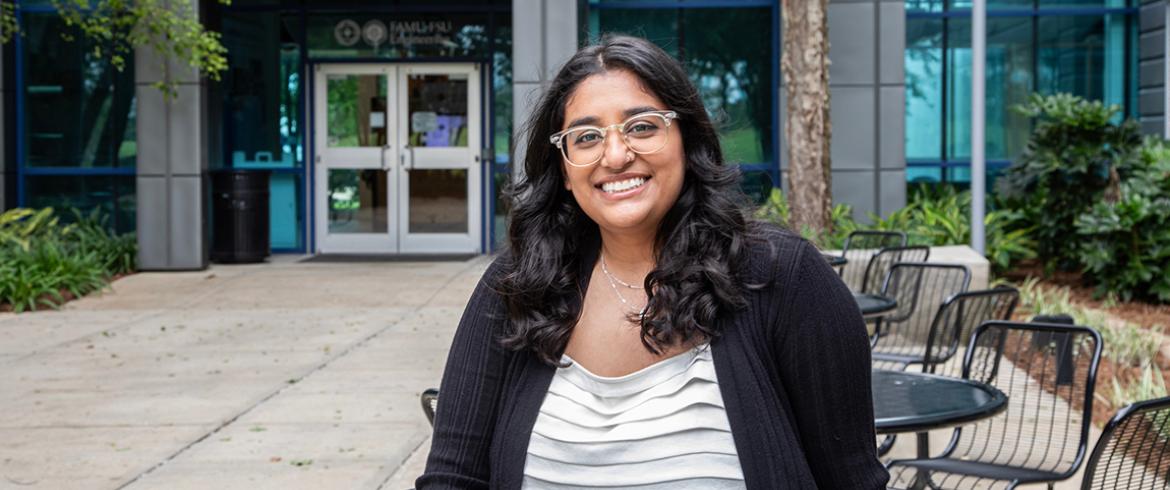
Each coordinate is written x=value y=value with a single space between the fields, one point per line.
x=805 y=65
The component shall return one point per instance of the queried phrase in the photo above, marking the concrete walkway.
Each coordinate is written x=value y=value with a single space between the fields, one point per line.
x=281 y=375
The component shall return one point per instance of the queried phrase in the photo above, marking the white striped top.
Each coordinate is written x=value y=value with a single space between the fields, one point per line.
x=661 y=427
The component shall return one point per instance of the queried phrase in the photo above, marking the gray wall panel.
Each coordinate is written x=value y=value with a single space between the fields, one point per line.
x=560 y=18
x=186 y=147
x=892 y=43
x=1150 y=101
x=1151 y=16
x=527 y=40
x=856 y=188
x=892 y=130
x=152 y=131
x=852 y=114
x=153 y=234
x=851 y=43
x=893 y=191
x=1152 y=125
x=1151 y=73
x=186 y=207
x=1151 y=45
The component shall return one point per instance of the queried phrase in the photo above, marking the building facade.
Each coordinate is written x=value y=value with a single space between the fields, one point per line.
x=390 y=127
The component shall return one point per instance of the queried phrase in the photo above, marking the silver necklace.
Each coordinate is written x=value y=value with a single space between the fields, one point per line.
x=613 y=278
x=613 y=285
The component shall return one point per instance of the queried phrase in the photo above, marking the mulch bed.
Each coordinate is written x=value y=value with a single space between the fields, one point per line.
x=1144 y=314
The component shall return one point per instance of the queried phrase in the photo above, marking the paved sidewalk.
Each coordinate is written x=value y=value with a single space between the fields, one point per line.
x=280 y=375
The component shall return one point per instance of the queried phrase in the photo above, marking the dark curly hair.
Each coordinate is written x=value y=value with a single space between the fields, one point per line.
x=700 y=243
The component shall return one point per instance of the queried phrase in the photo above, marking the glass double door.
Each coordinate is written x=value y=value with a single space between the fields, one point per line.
x=397 y=165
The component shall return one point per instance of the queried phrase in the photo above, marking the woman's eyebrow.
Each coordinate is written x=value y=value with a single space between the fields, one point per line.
x=593 y=120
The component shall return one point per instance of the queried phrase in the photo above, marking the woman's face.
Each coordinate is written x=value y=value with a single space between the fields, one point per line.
x=603 y=190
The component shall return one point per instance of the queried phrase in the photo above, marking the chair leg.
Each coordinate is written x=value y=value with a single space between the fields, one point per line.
x=886 y=445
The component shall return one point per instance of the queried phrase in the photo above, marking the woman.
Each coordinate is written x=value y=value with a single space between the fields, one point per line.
x=641 y=331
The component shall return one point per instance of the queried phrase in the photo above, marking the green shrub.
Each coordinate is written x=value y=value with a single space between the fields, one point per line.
x=776 y=210
x=1072 y=160
x=933 y=217
x=40 y=258
x=1124 y=246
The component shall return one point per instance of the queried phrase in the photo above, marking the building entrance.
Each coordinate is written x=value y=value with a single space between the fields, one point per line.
x=397 y=158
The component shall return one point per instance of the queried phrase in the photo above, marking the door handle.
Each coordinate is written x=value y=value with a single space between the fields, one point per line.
x=407 y=150
x=382 y=158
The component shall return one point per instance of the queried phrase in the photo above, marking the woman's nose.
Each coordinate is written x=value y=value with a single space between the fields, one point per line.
x=616 y=151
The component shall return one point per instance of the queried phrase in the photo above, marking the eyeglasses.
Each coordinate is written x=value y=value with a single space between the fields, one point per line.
x=583 y=146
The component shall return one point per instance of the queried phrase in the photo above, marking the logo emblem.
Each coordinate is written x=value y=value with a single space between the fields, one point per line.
x=347 y=33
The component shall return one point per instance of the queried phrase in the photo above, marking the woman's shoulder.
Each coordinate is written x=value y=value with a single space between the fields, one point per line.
x=774 y=252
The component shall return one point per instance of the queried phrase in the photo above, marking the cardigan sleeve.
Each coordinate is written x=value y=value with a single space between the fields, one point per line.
x=823 y=359
x=469 y=395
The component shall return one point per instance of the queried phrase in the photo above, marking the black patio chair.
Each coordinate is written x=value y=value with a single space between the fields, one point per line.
x=430 y=401
x=880 y=264
x=920 y=289
x=1042 y=435
x=902 y=336
x=1134 y=450
x=956 y=319
x=859 y=247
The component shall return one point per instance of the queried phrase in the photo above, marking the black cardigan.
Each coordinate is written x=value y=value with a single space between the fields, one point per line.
x=793 y=368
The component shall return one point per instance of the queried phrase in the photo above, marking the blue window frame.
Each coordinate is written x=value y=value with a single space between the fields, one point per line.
x=75 y=130
x=1084 y=47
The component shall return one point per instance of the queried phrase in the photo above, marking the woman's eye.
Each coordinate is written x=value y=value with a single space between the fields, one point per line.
x=641 y=127
x=586 y=138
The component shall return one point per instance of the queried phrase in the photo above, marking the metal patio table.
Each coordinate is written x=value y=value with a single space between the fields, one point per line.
x=918 y=402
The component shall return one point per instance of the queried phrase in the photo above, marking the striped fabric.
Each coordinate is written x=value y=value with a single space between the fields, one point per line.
x=661 y=427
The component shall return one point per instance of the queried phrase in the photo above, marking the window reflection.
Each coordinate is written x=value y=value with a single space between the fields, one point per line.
x=727 y=53
x=79 y=110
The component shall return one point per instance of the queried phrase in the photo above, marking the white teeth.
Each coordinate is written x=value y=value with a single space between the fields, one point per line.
x=623 y=185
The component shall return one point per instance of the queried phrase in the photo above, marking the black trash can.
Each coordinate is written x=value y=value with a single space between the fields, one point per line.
x=239 y=216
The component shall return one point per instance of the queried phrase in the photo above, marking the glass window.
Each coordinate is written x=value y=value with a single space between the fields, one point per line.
x=924 y=88
x=1031 y=47
x=728 y=55
x=1008 y=82
x=262 y=91
x=78 y=109
x=502 y=91
x=1083 y=55
x=114 y=195
x=924 y=174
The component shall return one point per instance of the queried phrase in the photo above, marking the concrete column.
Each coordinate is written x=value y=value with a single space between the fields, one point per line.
x=1152 y=66
x=172 y=158
x=544 y=36
x=867 y=93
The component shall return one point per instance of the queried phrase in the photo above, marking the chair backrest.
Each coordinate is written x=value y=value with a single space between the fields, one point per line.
x=859 y=247
x=919 y=289
x=1134 y=449
x=957 y=318
x=1048 y=372
x=430 y=401
x=880 y=264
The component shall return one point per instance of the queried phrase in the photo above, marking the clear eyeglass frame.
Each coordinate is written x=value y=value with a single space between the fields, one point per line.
x=558 y=139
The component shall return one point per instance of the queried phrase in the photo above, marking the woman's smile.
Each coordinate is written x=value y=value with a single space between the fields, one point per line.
x=623 y=186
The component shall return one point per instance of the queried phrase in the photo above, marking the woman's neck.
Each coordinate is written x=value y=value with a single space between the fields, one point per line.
x=631 y=254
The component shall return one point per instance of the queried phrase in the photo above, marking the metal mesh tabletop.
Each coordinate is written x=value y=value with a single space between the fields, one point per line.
x=913 y=402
